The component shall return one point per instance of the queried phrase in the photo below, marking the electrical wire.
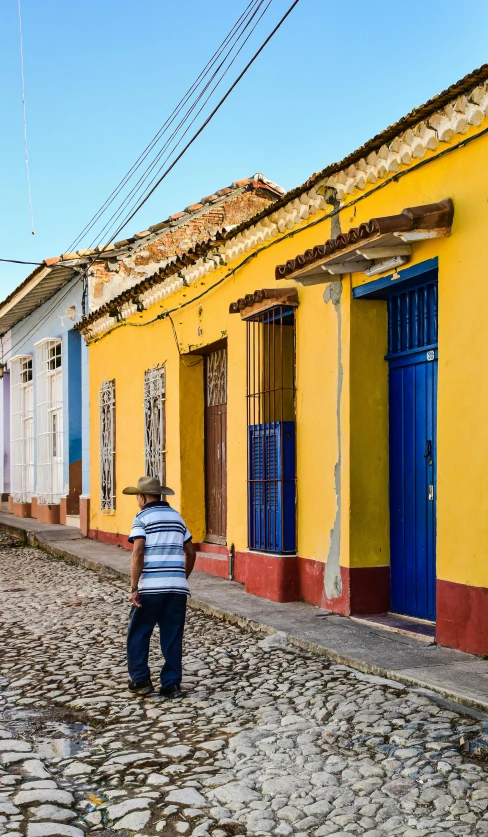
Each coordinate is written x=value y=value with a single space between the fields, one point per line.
x=195 y=135
x=242 y=23
x=25 y=120
x=46 y=314
x=229 y=37
x=180 y=155
x=291 y=234
x=138 y=187
x=18 y=261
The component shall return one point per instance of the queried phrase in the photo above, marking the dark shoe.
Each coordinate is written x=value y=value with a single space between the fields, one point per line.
x=171 y=692
x=142 y=687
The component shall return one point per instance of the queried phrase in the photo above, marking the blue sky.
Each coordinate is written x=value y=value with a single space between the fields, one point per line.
x=102 y=75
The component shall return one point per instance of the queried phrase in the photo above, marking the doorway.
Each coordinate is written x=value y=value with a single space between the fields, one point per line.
x=216 y=446
x=412 y=358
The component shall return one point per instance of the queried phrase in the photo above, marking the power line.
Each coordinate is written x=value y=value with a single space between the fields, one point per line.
x=87 y=266
x=195 y=135
x=82 y=274
x=18 y=261
x=234 y=35
x=25 y=120
x=138 y=186
x=229 y=37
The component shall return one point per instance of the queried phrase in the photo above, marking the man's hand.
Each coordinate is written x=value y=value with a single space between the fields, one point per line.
x=135 y=599
x=136 y=567
x=190 y=556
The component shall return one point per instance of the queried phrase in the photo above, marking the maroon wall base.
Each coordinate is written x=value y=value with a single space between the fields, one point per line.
x=364 y=589
x=212 y=565
x=287 y=578
x=20 y=509
x=110 y=537
x=273 y=577
x=462 y=617
x=48 y=513
x=212 y=559
x=85 y=516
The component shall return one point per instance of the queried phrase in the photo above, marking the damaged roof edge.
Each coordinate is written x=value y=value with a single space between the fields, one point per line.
x=256 y=182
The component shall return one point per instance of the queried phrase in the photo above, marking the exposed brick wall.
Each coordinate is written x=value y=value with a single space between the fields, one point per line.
x=110 y=278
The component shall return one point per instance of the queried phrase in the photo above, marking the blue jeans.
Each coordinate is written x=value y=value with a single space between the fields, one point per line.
x=167 y=610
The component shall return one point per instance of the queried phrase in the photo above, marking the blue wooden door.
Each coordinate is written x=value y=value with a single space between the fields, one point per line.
x=413 y=412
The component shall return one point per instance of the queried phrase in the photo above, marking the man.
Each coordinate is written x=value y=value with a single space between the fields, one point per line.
x=163 y=557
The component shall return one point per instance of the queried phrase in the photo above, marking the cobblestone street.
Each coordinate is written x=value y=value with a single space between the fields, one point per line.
x=269 y=739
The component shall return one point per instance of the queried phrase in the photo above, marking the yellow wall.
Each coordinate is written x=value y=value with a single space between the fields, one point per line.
x=342 y=481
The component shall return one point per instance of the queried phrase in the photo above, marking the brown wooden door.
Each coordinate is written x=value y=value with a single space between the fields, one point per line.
x=216 y=445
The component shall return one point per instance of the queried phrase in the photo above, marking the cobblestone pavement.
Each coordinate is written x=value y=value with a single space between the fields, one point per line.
x=269 y=740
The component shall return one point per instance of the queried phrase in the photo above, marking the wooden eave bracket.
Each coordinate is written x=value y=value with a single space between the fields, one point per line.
x=387 y=238
x=262 y=300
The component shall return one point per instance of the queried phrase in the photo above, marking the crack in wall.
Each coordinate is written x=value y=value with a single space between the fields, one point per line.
x=332 y=574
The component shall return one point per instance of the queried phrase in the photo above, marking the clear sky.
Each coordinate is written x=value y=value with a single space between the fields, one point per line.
x=101 y=76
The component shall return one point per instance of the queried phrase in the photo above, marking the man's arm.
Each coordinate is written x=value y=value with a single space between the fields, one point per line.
x=136 y=567
x=190 y=556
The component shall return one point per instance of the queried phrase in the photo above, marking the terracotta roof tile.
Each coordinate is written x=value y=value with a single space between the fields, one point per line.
x=434 y=216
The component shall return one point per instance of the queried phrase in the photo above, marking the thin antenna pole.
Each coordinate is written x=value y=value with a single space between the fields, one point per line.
x=25 y=121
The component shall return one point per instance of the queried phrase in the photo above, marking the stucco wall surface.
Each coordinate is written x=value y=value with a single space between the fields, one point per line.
x=342 y=385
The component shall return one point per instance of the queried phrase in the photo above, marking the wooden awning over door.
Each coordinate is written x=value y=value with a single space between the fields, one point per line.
x=370 y=244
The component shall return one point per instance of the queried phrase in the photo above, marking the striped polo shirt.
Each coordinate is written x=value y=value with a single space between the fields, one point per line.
x=165 y=532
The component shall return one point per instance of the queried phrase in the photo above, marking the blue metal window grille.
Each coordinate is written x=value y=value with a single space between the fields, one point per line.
x=412 y=319
x=271 y=430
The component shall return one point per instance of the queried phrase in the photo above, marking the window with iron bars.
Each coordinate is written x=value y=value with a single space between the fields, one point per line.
x=107 y=446
x=22 y=429
x=270 y=343
x=155 y=423
x=49 y=426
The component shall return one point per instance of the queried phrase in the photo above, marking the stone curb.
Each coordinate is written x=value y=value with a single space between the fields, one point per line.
x=456 y=700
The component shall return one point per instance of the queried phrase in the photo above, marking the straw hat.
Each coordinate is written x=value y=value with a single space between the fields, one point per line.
x=148 y=485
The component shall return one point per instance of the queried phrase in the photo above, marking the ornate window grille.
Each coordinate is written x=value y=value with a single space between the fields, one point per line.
x=49 y=410
x=271 y=430
x=155 y=423
x=22 y=422
x=216 y=378
x=107 y=446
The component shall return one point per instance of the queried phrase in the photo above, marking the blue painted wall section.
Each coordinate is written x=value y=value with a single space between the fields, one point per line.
x=73 y=340
x=85 y=419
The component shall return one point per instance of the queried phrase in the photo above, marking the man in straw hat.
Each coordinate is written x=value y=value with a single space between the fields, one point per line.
x=163 y=557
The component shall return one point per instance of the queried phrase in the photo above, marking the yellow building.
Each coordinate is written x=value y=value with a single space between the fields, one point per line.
x=312 y=383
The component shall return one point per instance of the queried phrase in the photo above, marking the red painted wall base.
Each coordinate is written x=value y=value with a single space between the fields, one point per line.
x=273 y=577
x=85 y=516
x=462 y=611
x=217 y=565
x=462 y=617
x=48 y=512
x=363 y=589
x=20 y=509
x=287 y=578
x=110 y=537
